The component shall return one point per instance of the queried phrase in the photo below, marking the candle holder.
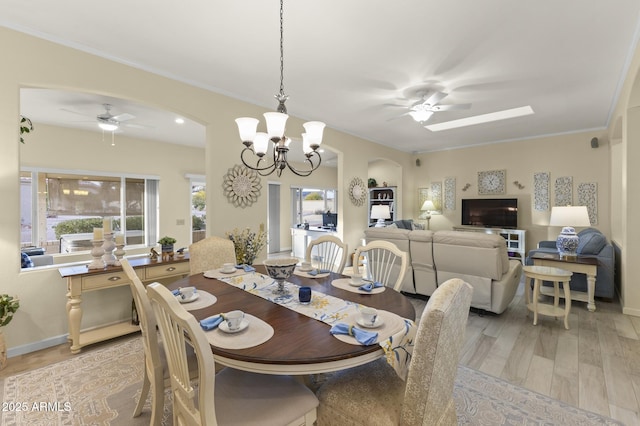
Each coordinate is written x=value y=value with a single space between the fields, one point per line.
x=119 y=254
x=96 y=252
x=109 y=246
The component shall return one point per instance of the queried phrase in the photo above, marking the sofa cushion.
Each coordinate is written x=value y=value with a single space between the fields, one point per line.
x=392 y=225
x=591 y=242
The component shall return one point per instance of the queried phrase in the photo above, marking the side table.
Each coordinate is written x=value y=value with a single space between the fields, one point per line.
x=556 y=275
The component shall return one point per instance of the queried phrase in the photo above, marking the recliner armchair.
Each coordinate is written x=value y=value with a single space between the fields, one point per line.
x=593 y=244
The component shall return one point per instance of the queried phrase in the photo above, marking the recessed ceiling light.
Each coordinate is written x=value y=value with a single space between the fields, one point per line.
x=180 y=120
x=483 y=118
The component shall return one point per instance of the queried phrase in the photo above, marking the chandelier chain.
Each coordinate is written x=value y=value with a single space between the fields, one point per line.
x=281 y=48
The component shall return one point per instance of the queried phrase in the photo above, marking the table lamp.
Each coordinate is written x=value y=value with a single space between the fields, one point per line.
x=568 y=217
x=380 y=212
x=428 y=207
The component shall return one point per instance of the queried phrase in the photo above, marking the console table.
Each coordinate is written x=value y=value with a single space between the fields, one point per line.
x=513 y=237
x=80 y=279
x=578 y=264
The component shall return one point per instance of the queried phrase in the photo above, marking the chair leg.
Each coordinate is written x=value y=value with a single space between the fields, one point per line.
x=157 y=399
x=146 y=385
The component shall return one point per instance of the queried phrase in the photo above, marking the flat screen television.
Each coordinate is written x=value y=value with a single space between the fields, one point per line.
x=330 y=219
x=490 y=212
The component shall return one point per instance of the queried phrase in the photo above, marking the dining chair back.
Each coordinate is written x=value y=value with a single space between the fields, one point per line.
x=375 y=391
x=232 y=396
x=327 y=252
x=210 y=253
x=384 y=261
x=156 y=372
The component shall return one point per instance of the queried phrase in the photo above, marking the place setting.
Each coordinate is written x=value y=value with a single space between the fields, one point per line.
x=357 y=284
x=229 y=270
x=306 y=270
x=191 y=298
x=236 y=330
x=367 y=326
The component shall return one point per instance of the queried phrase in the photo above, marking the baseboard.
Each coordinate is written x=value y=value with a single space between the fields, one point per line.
x=632 y=312
x=36 y=346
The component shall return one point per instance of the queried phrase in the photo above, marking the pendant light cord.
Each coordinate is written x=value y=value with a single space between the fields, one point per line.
x=281 y=97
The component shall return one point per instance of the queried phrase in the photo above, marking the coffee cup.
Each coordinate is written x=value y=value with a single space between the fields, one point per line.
x=234 y=319
x=305 y=266
x=356 y=279
x=228 y=267
x=187 y=292
x=369 y=315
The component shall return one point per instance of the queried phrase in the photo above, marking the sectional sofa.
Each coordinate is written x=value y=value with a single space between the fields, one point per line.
x=434 y=257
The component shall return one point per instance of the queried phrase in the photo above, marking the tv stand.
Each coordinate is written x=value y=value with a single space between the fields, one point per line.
x=514 y=238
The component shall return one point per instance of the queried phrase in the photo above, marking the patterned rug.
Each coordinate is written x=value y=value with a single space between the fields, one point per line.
x=101 y=387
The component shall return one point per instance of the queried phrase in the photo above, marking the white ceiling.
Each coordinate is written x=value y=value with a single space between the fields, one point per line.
x=348 y=63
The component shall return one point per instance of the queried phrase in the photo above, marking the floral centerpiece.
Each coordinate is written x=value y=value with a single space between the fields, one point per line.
x=247 y=244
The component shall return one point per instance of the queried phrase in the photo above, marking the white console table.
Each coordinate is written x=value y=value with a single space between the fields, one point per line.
x=515 y=239
x=80 y=280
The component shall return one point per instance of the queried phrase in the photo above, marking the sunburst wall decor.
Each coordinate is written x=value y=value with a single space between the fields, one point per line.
x=241 y=186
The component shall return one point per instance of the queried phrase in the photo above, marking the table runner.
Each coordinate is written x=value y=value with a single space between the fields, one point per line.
x=398 y=347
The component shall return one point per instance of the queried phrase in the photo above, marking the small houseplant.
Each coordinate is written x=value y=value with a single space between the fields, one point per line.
x=248 y=244
x=167 y=244
x=8 y=306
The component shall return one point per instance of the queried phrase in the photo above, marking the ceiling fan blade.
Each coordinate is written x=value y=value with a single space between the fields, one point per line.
x=395 y=105
x=450 y=107
x=397 y=117
x=123 y=117
x=434 y=98
x=137 y=126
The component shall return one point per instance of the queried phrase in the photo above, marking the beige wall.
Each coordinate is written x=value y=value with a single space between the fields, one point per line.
x=566 y=155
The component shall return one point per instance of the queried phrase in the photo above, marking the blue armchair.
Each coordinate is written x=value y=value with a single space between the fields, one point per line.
x=592 y=244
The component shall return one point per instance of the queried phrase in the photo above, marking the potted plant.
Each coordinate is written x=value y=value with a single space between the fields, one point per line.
x=26 y=126
x=167 y=244
x=8 y=306
x=371 y=183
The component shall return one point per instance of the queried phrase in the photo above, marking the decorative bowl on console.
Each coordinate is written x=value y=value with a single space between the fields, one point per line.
x=280 y=270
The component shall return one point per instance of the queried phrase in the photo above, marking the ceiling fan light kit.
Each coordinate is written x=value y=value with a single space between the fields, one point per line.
x=257 y=143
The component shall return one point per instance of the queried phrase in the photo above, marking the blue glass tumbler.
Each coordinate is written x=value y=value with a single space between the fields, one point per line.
x=304 y=295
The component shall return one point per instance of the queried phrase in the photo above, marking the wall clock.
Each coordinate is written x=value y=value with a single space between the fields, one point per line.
x=357 y=191
x=492 y=182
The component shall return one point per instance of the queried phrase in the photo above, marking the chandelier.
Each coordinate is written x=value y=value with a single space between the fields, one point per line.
x=257 y=143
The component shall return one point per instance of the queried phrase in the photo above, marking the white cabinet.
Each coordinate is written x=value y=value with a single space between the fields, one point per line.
x=300 y=239
x=513 y=237
x=384 y=195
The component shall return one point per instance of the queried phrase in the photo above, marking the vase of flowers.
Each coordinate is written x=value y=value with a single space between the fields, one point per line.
x=248 y=244
x=8 y=306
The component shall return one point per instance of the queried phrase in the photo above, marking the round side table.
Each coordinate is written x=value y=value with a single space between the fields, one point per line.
x=556 y=275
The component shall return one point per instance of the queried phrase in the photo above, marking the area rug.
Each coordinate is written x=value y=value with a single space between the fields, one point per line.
x=101 y=387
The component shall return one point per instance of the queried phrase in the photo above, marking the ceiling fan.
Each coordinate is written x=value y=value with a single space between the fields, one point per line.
x=428 y=104
x=110 y=122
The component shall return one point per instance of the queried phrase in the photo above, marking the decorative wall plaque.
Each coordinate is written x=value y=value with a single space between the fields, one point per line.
x=241 y=186
x=492 y=182
x=541 y=191
x=564 y=191
x=436 y=196
x=357 y=191
x=588 y=196
x=450 y=193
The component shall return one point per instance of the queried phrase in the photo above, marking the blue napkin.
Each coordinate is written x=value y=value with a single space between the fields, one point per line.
x=315 y=272
x=247 y=268
x=211 y=322
x=175 y=292
x=362 y=336
x=370 y=286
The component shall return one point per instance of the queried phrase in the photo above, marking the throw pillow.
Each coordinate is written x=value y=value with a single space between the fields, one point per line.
x=417 y=226
x=591 y=243
x=392 y=225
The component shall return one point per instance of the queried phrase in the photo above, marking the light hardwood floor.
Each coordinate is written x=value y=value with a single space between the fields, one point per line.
x=595 y=365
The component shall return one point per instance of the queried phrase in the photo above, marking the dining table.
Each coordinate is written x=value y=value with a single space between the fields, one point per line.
x=300 y=344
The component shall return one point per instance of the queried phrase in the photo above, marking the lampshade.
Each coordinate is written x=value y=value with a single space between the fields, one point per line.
x=247 y=127
x=314 y=130
x=261 y=143
x=109 y=127
x=569 y=216
x=428 y=206
x=276 y=122
x=420 y=115
x=380 y=211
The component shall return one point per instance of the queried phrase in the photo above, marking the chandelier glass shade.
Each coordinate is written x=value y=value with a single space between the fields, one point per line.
x=256 y=144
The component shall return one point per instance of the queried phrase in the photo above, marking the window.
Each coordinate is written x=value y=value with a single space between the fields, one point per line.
x=310 y=204
x=58 y=210
x=198 y=207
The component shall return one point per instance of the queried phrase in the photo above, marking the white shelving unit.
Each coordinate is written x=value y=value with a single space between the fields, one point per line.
x=515 y=239
x=383 y=195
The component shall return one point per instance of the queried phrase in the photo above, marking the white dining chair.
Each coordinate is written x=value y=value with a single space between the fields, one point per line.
x=381 y=260
x=327 y=252
x=156 y=371
x=374 y=390
x=231 y=397
x=210 y=253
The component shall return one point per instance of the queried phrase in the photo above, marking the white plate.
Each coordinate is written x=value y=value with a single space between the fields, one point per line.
x=378 y=323
x=230 y=271
x=301 y=269
x=357 y=284
x=224 y=327
x=193 y=297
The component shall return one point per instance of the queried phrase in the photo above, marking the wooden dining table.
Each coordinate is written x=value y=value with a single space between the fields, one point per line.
x=300 y=344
